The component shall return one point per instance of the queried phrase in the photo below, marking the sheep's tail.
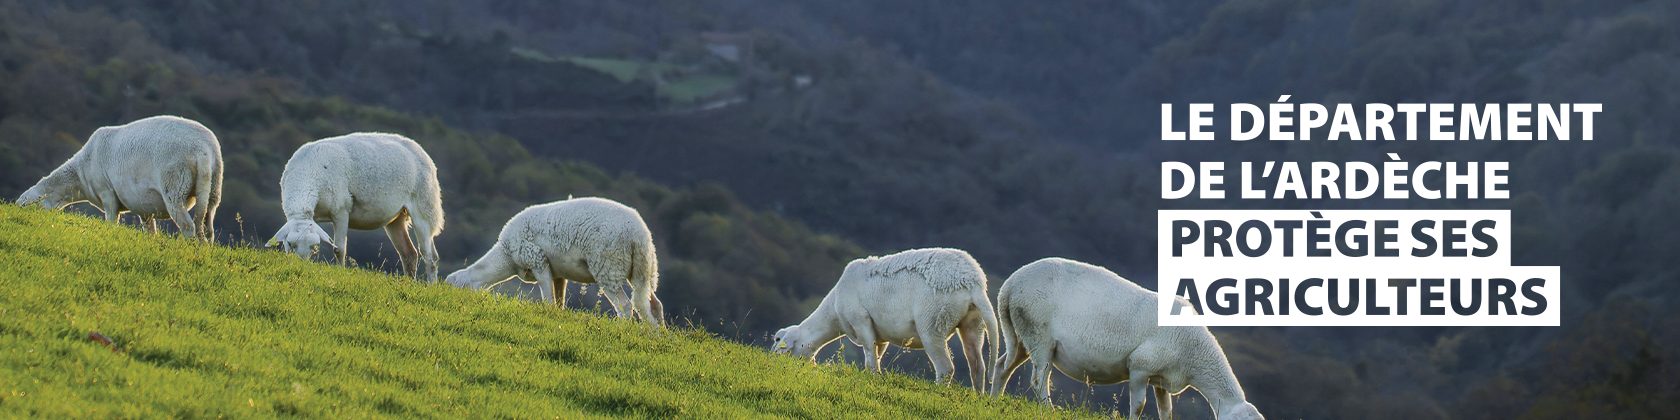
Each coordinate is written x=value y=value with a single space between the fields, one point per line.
x=644 y=266
x=644 y=281
x=1006 y=331
x=431 y=206
x=990 y=319
x=207 y=213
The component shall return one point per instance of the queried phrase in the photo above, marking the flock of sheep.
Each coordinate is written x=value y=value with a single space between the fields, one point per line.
x=1081 y=319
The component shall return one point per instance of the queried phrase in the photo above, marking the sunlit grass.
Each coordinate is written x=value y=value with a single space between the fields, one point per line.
x=687 y=90
x=212 y=331
x=623 y=70
x=681 y=91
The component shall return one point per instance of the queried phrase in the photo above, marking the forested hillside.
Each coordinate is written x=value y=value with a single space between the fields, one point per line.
x=874 y=149
x=70 y=72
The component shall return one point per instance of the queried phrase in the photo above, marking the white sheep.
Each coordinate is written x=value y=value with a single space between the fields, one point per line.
x=915 y=299
x=1101 y=329
x=586 y=240
x=363 y=181
x=155 y=167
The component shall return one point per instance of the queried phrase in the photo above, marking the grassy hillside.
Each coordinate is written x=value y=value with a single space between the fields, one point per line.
x=210 y=331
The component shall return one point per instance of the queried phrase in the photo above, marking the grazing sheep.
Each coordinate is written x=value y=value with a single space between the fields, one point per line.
x=915 y=299
x=363 y=181
x=155 y=167
x=586 y=240
x=1101 y=329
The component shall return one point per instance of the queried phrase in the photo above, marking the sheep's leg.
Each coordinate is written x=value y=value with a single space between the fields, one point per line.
x=420 y=230
x=560 y=286
x=1163 y=403
x=1043 y=364
x=971 y=336
x=880 y=350
x=209 y=187
x=1041 y=381
x=108 y=204
x=184 y=225
x=642 y=299
x=1140 y=389
x=866 y=340
x=1013 y=357
x=545 y=282
x=397 y=231
x=526 y=276
x=341 y=233
x=613 y=279
x=940 y=353
x=149 y=224
x=615 y=297
x=657 y=307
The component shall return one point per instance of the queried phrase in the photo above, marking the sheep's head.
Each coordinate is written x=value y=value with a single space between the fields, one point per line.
x=301 y=237
x=34 y=196
x=54 y=191
x=1244 y=411
x=789 y=341
x=459 y=278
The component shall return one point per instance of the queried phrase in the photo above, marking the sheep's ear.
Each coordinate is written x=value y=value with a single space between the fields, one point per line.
x=325 y=238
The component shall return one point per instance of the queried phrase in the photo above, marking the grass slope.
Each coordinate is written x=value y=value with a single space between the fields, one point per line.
x=211 y=332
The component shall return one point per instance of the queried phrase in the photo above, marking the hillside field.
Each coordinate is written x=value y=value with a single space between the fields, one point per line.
x=219 y=332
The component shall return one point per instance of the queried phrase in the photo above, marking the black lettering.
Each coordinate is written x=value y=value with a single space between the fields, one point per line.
x=1417 y=233
x=1259 y=292
x=1218 y=231
x=1342 y=239
x=1301 y=297
x=1480 y=232
x=1288 y=227
x=1475 y=297
x=1496 y=296
x=1265 y=238
x=1400 y=286
x=1353 y=298
x=1187 y=289
x=1230 y=298
x=1384 y=238
x=1283 y=296
x=1371 y=307
x=1180 y=238
x=1538 y=299
x=1448 y=238
x=1427 y=293
x=1314 y=238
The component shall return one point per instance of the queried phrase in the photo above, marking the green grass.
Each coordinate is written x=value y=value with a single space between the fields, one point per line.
x=687 y=90
x=623 y=70
x=681 y=91
x=212 y=331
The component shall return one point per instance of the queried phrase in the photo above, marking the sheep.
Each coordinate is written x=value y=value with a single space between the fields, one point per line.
x=363 y=181
x=1099 y=328
x=915 y=299
x=586 y=240
x=156 y=167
